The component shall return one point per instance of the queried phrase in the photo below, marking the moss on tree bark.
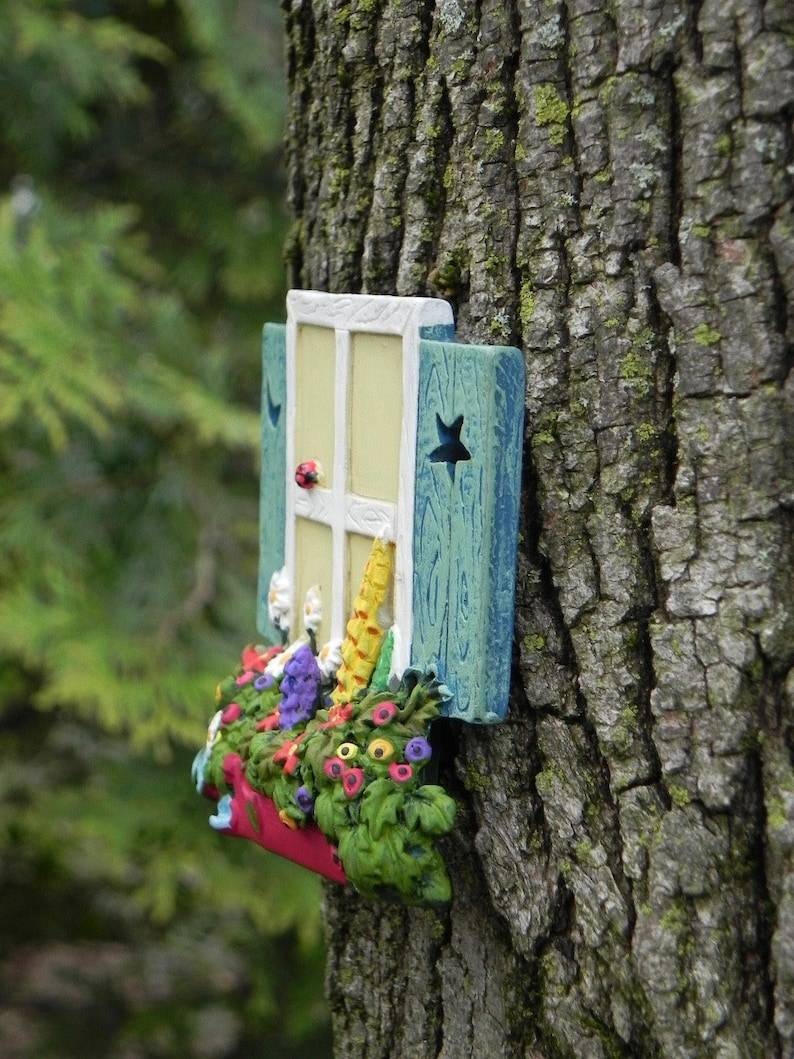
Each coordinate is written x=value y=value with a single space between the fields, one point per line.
x=606 y=185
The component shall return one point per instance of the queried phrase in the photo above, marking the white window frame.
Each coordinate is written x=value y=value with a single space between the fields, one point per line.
x=341 y=510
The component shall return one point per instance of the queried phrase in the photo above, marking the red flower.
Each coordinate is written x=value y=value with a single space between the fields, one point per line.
x=267 y=724
x=256 y=658
x=400 y=772
x=384 y=713
x=353 y=781
x=288 y=754
x=337 y=715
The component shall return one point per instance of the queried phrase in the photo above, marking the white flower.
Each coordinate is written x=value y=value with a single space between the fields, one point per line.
x=313 y=609
x=278 y=598
x=330 y=658
x=214 y=728
x=275 y=666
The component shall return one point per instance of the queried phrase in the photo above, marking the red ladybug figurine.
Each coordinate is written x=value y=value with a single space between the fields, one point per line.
x=308 y=474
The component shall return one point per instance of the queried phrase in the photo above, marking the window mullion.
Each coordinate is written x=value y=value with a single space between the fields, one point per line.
x=341 y=387
x=289 y=469
x=370 y=517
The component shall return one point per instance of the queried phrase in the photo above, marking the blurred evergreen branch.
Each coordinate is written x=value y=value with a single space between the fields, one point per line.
x=129 y=313
x=140 y=251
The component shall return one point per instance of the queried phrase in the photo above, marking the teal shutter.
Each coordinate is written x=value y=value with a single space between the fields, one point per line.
x=272 y=488
x=467 y=490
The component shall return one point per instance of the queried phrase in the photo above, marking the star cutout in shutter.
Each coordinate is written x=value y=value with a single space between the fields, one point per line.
x=451 y=449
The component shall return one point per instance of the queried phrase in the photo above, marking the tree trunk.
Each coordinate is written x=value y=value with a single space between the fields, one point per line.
x=603 y=184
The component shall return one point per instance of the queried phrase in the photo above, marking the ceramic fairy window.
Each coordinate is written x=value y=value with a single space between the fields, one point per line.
x=418 y=439
x=391 y=459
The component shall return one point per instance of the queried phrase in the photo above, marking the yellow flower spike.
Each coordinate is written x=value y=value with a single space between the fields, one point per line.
x=362 y=644
x=381 y=750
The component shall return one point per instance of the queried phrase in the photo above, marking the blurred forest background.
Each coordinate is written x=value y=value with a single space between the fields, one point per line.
x=141 y=228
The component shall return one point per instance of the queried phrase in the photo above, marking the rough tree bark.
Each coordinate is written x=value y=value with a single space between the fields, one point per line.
x=603 y=183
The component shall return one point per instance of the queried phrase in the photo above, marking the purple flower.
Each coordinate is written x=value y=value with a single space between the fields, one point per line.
x=304 y=800
x=263 y=682
x=417 y=749
x=302 y=664
x=300 y=688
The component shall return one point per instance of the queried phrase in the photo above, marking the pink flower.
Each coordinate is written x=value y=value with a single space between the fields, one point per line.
x=400 y=772
x=334 y=768
x=384 y=713
x=353 y=781
x=231 y=713
x=244 y=678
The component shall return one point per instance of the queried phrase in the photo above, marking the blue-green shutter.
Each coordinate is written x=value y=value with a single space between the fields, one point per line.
x=272 y=487
x=466 y=522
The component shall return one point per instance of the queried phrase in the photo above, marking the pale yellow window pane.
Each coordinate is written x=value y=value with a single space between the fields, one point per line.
x=358 y=549
x=313 y=566
x=315 y=368
x=376 y=409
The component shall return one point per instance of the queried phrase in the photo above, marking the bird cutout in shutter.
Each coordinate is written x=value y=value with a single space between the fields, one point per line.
x=391 y=467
